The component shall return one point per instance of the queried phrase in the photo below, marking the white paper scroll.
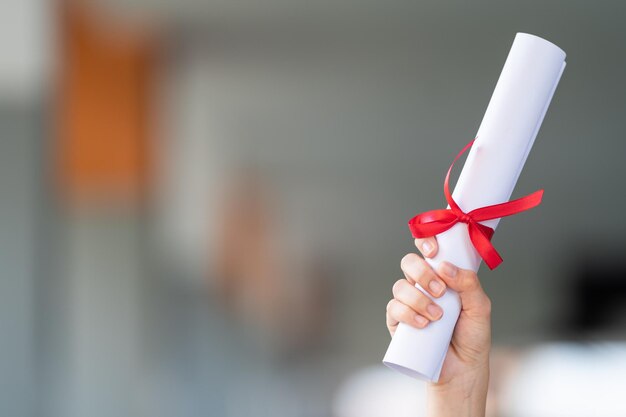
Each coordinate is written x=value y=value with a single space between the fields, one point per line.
x=506 y=134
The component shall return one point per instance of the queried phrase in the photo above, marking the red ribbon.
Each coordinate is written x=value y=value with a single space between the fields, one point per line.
x=433 y=222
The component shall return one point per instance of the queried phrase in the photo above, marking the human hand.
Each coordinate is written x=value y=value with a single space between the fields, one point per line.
x=465 y=373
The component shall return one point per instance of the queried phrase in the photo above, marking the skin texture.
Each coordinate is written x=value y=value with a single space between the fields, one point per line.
x=462 y=387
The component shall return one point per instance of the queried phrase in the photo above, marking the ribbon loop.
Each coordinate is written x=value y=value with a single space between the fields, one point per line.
x=434 y=222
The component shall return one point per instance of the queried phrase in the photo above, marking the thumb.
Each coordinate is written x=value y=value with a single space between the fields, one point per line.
x=465 y=282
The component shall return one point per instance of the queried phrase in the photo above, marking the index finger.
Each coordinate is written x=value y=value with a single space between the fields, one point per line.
x=427 y=246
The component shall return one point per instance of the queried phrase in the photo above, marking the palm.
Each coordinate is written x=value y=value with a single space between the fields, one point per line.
x=470 y=343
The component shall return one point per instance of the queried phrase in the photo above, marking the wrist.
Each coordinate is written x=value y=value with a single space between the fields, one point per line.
x=465 y=395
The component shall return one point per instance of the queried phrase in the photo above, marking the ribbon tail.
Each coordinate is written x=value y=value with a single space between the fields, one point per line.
x=508 y=208
x=485 y=230
x=482 y=243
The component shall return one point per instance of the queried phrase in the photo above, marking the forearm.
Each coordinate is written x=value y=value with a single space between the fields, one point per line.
x=465 y=396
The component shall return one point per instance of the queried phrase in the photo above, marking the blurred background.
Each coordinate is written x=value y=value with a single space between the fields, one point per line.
x=204 y=204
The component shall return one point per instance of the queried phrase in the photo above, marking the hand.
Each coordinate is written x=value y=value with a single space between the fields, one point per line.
x=462 y=386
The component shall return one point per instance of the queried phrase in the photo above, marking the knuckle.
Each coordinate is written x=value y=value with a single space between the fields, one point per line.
x=407 y=316
x=420 y=266
x=397 y=286
x=420 y=301
x=399 y=312
x=390 y=306
x=424 y=273
x=471 y=281
x=408 y=260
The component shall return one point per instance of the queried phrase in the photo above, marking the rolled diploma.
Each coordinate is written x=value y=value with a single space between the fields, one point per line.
x=504 y=139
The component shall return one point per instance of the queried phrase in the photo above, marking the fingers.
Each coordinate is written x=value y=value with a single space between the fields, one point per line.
x=473 y=299
x=416 y=301
x=427 y=246
x=410 y=305
x=416 y=270
x=398 y=312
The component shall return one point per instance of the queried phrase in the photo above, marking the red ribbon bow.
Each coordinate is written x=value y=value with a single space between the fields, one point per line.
x=433 y=222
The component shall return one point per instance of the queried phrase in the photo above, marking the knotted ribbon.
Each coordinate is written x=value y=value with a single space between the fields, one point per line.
x=433 y=222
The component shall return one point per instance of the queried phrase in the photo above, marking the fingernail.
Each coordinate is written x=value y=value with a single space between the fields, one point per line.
x=427 y=247
x=435 y=287
x=421 y=321
x=435 y=311
x=449 y=270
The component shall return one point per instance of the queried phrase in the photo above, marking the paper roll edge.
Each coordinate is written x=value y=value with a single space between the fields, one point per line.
x=542 y=40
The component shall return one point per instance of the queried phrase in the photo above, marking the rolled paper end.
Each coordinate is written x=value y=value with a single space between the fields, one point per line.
x=408 y=371
x=542 y=41
x=412 y=367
